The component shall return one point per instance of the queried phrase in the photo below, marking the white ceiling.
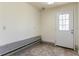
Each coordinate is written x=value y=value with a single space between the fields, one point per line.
x=40 y=5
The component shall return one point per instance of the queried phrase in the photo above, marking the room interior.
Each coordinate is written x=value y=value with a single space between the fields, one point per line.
x=39 y=29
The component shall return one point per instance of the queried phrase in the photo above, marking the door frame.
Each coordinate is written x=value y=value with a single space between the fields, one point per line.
x=74 y=40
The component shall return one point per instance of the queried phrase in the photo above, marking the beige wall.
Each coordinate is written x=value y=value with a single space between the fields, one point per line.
x=21 y=20
x=78 y=27
x=48 y=22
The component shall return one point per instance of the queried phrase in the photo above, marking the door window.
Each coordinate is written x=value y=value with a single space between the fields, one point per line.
x=64 y=22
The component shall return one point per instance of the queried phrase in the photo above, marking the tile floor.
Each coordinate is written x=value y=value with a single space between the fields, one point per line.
x=44 y=49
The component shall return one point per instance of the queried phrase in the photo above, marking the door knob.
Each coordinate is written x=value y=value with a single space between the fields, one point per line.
x=72 y=31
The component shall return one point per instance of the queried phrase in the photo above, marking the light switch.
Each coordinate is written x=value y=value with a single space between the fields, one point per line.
x=4 y=27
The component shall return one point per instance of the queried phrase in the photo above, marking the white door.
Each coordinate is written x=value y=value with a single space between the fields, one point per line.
x=64 y=29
